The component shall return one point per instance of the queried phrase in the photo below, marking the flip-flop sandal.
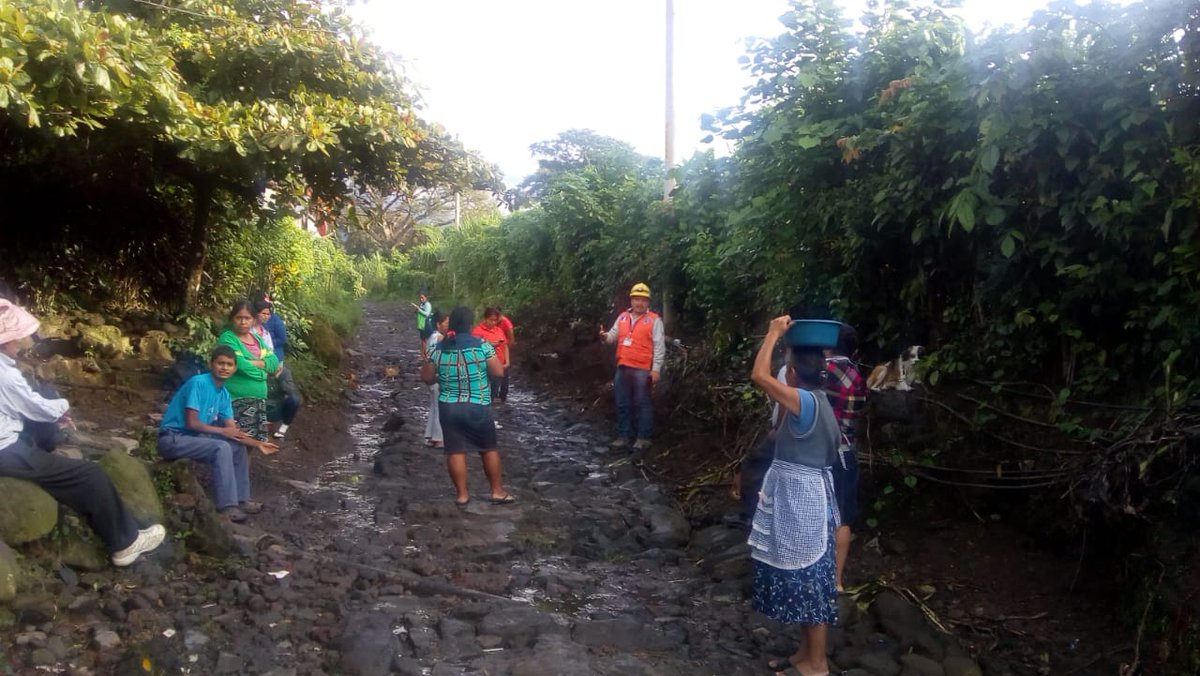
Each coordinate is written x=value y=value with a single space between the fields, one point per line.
x=464 y=503
x=780 y=664
x=506 y=500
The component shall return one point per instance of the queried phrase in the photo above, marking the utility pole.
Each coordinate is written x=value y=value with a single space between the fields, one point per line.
x=669 y=149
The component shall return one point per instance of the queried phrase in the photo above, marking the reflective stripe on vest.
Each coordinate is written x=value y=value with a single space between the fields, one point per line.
x=640 y=353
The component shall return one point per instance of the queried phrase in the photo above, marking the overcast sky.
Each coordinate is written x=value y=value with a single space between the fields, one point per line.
x=503 y=75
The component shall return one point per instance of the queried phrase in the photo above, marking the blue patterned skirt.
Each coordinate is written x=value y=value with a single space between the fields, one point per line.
x=806 y=596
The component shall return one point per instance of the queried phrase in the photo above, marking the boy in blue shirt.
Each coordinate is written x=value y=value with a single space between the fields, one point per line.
x=199 y=425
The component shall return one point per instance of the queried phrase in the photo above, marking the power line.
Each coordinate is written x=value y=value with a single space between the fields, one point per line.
x=230 y=20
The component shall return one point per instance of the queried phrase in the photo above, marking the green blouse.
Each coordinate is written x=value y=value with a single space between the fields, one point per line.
x=250 y=382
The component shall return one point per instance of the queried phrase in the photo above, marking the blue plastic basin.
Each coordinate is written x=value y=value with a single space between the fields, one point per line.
x=813 y=333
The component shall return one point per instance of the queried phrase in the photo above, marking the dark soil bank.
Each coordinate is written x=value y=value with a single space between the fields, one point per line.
x=362 y=564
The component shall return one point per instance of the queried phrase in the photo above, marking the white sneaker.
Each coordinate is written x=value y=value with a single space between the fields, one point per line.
x=148 y=540
x=279 y=433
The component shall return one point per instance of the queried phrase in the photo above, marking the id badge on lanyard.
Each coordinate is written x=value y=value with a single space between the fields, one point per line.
x=628 y=342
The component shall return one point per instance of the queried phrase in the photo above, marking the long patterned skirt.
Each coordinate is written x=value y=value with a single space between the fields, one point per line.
x=251 y=416
x=806 y=596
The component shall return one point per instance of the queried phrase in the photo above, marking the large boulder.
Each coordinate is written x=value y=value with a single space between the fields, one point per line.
x=131 y=478
x=368 y=645
x=669 y=529
x=56 y=327
x=27 y=512
x=60 y=369
x=105 y=340
x=155 y=346
x=208 y=534
x=9 y=573
x=80 y=549
x=899 y=618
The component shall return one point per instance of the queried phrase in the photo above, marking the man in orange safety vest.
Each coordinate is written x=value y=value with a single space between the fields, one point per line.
x=641 y=347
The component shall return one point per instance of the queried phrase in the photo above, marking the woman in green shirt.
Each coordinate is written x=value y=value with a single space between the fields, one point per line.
x=248 y=386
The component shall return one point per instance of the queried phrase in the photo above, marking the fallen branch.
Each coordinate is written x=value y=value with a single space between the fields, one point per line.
x=1014 y=416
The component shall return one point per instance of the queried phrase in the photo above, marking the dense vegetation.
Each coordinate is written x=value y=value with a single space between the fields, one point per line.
x=1024 y=202
x=156 y=156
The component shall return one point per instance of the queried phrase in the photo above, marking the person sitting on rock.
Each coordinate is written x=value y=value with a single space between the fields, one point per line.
x=26 y=454
x=199 y=425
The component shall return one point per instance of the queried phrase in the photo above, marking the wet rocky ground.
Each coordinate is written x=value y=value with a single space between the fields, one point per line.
x=362 y=564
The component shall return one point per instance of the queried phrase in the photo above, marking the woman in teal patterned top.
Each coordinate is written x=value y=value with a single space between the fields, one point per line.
x=460 y=365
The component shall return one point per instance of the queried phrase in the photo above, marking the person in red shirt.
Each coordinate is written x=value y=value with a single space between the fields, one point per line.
x=491 y=330
x=641 y=350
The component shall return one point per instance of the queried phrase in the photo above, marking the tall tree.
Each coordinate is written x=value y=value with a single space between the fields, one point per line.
x=181 y=103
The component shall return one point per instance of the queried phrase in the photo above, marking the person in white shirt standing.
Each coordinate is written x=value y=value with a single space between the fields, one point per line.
x=78 y=484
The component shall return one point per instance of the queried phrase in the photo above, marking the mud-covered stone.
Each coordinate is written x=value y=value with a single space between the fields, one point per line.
x=961 y=666
x=919 y=665
x=155 y=345
x=27 y=512
x=105 y=340
x=899 y=618
x=10 y=573
x=668 y=528
x=368 y=645
x=131 y=478
x=519 y=626
x=208 y=534
x=625 y=633
x=80 y=550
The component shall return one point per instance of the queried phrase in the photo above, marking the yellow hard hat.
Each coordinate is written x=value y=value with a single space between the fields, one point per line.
x=640 y=289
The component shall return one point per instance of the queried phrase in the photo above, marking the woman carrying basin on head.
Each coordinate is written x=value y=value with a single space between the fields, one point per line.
x=792 y=536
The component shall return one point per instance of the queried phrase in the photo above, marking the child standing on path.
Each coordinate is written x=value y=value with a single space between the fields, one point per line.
x=424 y=312
x=433 y=425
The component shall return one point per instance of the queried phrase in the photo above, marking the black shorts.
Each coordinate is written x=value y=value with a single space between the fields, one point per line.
x=467 y=427
x=845 y=486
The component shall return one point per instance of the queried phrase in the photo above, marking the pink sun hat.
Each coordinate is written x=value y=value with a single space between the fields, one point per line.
x=15 y=322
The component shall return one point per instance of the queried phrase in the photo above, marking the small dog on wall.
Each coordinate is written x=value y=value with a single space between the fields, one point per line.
x=898 y=374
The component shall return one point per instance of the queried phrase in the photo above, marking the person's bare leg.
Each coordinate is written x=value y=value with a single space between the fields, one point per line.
x=815 y=663
x=491 y=468
x=456 y=464
x=809 y=658
x=841 y=541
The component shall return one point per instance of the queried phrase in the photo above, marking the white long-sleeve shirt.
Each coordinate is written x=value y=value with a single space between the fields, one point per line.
x=19 y=402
